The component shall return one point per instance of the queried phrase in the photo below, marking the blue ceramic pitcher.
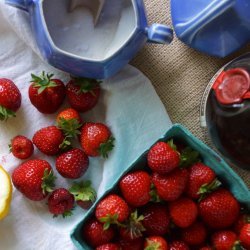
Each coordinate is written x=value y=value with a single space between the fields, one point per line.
x=216 y=27
x=70 y=41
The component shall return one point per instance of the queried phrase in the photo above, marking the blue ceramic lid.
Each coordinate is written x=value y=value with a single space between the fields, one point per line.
x=215 y=27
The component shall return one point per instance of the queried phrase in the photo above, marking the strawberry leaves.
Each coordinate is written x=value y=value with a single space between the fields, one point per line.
x=86 y=85
x=42 y=82
x=6 y=113
x=188 y=157
x=83 y=191
x=48 y=181
x=106 y=147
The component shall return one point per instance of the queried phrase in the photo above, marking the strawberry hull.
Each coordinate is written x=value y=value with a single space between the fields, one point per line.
x=229 y=178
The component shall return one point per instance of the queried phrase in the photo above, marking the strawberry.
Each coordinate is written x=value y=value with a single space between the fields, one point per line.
x=49 y=140
x=21 y=147
x=95 y=235
x=135 y=188
x=155 y=243
x=109 y=246
x=206 y=248
x=224 y=240
x=10 y=99
x=241 y=221
x=156 y=219
x=195 y=234
x=72 y=164
x=34 y=179
x=46 y=94
x=61 y=201
x=83 y=93
x=69 y=121
x=219 y=209
x=170 y=187
x=163 y=158
x=96 y=139
x=84 y=194
x=202 y=180
x=183 y=212
x=133 y=227
x=112 y=210
x=245 y=236
x=178 y=245
x=136 y=244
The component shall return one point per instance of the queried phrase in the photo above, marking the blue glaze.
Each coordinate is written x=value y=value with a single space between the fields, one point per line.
x=98 y=69
x=216 y=27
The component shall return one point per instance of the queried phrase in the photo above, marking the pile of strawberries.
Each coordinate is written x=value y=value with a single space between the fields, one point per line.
x=34 y=178
x=175 y=203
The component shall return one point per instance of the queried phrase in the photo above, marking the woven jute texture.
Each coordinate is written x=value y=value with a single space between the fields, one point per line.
x=180 y=75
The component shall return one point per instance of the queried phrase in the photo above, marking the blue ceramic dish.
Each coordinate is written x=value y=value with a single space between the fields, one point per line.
x=72 y=43
x=225 y=173
x=216 y=27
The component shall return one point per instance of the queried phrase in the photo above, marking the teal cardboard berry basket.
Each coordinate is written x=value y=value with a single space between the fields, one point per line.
x=228 y=177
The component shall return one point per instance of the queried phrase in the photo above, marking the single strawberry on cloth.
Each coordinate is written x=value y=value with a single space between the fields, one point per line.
x=128 y=105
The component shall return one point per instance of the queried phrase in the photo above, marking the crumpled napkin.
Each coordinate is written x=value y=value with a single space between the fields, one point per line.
x=128 y=105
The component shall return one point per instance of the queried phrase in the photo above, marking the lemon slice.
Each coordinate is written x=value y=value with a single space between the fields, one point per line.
x=5 y=193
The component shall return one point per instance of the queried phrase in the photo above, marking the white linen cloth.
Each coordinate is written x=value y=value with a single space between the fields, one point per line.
x=128 y=104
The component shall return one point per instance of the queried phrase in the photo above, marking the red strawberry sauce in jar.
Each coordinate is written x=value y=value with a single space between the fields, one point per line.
x=228 y=112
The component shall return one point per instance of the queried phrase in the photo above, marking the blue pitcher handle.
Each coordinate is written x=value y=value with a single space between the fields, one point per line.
x=20 y=4
x=159 y=33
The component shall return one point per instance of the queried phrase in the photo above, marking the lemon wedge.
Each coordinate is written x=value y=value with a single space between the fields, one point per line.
x=5 y=193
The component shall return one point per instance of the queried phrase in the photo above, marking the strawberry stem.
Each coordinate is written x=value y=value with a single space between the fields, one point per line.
x=69 y=127
x=6 y=113
x=188 y=157
x=208 y=188
x=134 y=225
x=42 y=82
x=83 y=191
x=106 y=147
x=86 y=85
x=153 y=245
x=154 y=195
x=48 y=181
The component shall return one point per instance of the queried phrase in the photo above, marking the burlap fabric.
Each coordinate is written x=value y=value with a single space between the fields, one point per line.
x=180 y=75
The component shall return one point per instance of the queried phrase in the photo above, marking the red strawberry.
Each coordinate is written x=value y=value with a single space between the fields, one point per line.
x=96 y=139
x=95 y=235
x=241 y=221
x=61 y=201
x=224 y=240
x=69 y=121
x=83 y=93
x=135 y=188
x=136 y=244
x=10 y=99
x=245 y=236
x=219 y=209
x=155 y=243
x=72 y=164
x=109 y=246
x=156 y=219
x=195 y=234
x=202 y=180
x=170 y=187
x=178 y=245
x=84 y=194
x=46 y=94
x=34 y=179
x=206 y=248
x=162 y=158
x=112 y=210
x=133 y=227
x=21 y=147
x=183 y=212
x=49 y=140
